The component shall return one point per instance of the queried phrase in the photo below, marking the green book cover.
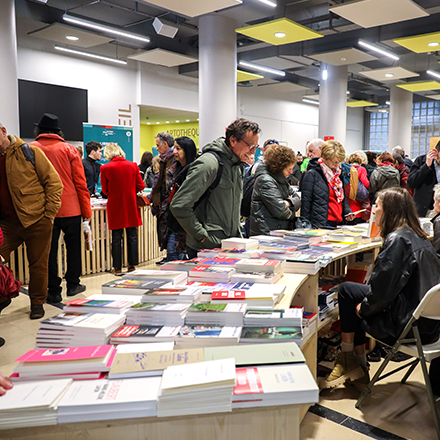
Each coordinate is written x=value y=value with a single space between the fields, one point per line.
x=271 y=333
x=207 y=307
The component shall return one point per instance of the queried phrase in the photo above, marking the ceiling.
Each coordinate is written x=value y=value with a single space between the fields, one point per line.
x=338 y=24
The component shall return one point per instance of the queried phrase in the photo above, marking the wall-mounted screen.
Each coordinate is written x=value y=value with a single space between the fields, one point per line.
x=68 y=103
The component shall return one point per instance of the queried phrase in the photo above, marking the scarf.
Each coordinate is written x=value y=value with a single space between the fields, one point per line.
x=333 y=179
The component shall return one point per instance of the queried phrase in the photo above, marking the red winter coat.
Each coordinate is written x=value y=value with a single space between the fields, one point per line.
x=121 y=180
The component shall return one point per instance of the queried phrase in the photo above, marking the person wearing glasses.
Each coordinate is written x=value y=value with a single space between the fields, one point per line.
x=218 y=216
x=323 y=201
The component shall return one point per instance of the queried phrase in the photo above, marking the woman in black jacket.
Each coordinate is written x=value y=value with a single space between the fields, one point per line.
x=406 y=267
x=273 y=201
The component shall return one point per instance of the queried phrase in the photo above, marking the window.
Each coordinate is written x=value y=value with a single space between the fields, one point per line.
x=378 y=131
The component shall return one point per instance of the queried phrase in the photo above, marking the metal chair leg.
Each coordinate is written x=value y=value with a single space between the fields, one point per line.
x=410 y=370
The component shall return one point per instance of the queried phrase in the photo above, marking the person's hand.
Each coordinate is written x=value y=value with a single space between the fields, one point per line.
x=87 y=219
x=432 y=154
x=350 y=217
x=5 y=384
x=358 y=310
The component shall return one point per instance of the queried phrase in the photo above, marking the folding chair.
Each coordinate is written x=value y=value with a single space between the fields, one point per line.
x=429 y=308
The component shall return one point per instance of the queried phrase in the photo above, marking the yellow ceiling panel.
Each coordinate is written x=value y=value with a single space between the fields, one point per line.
x=420 y=43
x=288 y=31
x=420 y=86
x=360 y=103
x=245 y=76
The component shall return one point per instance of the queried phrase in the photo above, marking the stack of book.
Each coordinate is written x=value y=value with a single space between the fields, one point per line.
x=181 y=265
x=258 y=335
x=31 y=404
x=129 y=334
x=219 y=261
x=112 y=304
x=152 y=363
x=201 y=388
x=73 y=329
x=327 y=302
x=310 y=322
x=175 y=277
x=216 y=274
x=173 y=294
x=260 y=265
x=88 y=362
x=230 y=315
x=278 y=244
x=270 y=317
x=274 y=385
x=344 y=236
x=239 y=243
x=157 y=314
x=109 y=399
x=239 y=253
x=196 y=336
x=255 y=277
x=129 y=286
x=302 y=262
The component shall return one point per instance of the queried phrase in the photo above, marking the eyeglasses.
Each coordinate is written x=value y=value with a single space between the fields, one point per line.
x=251 y=147
x=271 y=142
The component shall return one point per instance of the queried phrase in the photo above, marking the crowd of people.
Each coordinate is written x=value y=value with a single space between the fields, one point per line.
x=45 y=189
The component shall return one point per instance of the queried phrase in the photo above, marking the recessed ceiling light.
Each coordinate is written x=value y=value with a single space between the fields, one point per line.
x=187 y=120
x=280 y=34
x=389 y=75
x=433 y=44
x=347 y=92
x=343 y=59
x=157 y=122
x=167 y=122
x=177 y=121
x=198 y=119
x=72 y=38
x=148 y=123
x=388 y=102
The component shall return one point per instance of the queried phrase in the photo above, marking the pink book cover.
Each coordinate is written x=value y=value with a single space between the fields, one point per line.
x=247 y=381
x=65 y=354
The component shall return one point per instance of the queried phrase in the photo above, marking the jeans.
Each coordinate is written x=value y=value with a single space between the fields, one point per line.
x=132 y=247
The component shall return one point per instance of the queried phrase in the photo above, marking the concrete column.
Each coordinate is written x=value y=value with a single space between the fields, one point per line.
x=333 y=103
x=8 y=76
x=400 y=119
x=217 y=76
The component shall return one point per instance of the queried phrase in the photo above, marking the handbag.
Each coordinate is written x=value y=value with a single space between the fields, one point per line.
x=142 y=200
x=9 y=286
x=362 y=194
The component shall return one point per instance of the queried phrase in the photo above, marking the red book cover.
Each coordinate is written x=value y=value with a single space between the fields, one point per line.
x=125 y=331
x=356 y=275
x=247 y=381
x=219 y=295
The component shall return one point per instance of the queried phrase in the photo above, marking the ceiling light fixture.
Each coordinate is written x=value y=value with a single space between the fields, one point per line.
x=177 y=121
x=310 y=101
x=324 y=74
x=432 y=73
x=268 y=2
x=100 y=27
x=148 y=123
x=90 y=55
x=347 y=92
x=167 y=122
x=378 y=50
x=262 y=68
x=157 y=122
x=164 y=29
x=187 y=120
x=433 y=44
x=389 y=75
x=72 y=38
x=280 y=34
x=388 y=102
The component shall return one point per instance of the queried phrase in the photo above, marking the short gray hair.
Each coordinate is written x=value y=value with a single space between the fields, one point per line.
x=363 y=156
x=316 y=143
x=437 y=192
x=166 y=137
x=398 y=149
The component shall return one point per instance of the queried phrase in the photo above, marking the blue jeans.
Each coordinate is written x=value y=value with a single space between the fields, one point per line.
x=171 y=249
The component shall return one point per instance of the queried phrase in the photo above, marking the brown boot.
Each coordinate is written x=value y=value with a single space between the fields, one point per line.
x=346 y=368
x=361 y=383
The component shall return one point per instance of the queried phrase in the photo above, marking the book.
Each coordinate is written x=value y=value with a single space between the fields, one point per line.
x=303 y=263
x=141 y=333
x=250 y=335
x=140 y=364
x=216 y=314
x=191 y=336
x=260 y=265
x=157 y=314
x=128 y=286
x=257 y=317
x=101 y=304
x=175 y=277
x=345 y=237
x=218 y=261
x=255 y=277
x=180 y=265
x=214 y=274
x=275 y=385
x=240 y=243
x=173 y=294
x=239 y=253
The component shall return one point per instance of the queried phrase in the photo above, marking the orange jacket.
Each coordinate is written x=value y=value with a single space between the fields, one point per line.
x=75 y=199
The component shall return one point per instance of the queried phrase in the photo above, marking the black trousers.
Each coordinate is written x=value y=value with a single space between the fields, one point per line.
x=71 y=227
x=350 y=295
x=132 y=247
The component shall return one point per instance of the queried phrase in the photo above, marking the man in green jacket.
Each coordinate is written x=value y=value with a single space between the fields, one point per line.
x=217 y=217
x=30 y=196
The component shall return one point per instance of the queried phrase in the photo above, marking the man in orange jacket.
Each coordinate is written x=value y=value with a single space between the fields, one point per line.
x=75 y=205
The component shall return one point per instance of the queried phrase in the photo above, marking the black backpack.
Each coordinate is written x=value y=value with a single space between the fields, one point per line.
x=248 y=188
x=173 y=224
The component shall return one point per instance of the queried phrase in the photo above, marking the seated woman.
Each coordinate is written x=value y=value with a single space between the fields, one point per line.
x=273 y=201
x=405 y=269
x=323 y=202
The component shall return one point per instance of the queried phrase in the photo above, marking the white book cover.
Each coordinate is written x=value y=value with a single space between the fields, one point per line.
x=145 y=347
x=26 y=396
x=239 y=243
x=180 y=378
x=100 y=321
x=177 y=277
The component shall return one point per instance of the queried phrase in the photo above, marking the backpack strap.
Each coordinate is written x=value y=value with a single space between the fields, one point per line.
x=28 y=153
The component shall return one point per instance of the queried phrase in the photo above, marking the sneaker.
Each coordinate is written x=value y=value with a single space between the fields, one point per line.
x=131 y=269
x=37 y=311
x=75 y=290
x=5 y=304
x=346 y=368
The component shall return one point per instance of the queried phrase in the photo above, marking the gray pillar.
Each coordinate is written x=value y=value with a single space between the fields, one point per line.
x=217 y=76
x=9 y=76
x=400 y=119
x=333 y=103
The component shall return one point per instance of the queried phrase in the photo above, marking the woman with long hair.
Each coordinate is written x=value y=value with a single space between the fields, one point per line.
x=406 y=267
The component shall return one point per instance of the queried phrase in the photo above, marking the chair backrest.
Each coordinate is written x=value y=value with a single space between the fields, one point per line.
x=429 y=307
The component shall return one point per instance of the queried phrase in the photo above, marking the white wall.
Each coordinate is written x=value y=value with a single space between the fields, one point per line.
x=355 y=130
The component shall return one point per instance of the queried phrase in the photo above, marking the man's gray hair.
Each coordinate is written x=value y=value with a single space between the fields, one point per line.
x=315 y=143
x=399 y=149
x=166 y=137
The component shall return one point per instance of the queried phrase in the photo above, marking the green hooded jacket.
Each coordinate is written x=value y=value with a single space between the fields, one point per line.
x=217 y=217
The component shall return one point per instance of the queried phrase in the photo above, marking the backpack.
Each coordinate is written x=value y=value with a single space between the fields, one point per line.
x=28 y=153
x=350 y=179
x=172 y=222
x=248 y=188
x=362 y=194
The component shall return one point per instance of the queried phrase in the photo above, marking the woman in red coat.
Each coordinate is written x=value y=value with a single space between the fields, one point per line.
x=121 y=180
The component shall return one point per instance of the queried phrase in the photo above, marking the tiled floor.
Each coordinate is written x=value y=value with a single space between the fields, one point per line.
x=392 y=412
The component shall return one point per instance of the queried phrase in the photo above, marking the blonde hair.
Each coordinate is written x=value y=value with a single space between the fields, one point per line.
x=363 y=156
x=113 y=150
x=355 y=158
x=333 y=149
x=437 y=192
x=155 y=164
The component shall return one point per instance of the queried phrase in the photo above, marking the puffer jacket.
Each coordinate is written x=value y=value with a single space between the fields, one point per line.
x=315 y=195
x=35 y=191
x=268 y=208
x=405 y=269
x=384 y=176
x=218 y=217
